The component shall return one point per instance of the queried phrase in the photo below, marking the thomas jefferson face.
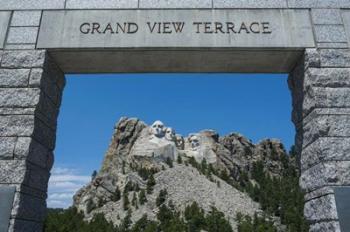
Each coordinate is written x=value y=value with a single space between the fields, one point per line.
x=170 y=134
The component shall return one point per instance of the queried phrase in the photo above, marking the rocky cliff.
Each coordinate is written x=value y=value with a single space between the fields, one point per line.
x=142 y=162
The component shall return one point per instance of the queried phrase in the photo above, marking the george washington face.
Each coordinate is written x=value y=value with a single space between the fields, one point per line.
x=157 y=129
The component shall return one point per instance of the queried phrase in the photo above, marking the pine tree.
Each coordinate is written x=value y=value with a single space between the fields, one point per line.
x=126 y=201
x=126 y=222
x=128 y=187
x=116 y=195
x=93 y=175
x=161 y=197
x=137 y=187
x=134 y=199
x=123 y=167
x=169 y=162
x=224 y=175
x=216 y=222
x=142 y=197
x=204 y=166
x=150 y=184
x=179 y=159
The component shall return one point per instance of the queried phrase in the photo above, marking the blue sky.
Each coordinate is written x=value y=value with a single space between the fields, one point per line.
x=257 y=106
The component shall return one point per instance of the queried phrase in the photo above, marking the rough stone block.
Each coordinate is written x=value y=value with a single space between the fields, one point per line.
x=327 y=77
x=332 y=45
x=25 y=59
x=47 y=112
x=175 y=4
x=295 y=84
x=318 y=3
x=52 y=91
x=318 y=193
x=326 y=126
x=51 y=80
x=326 y=16
x=29 y=207
x=335 y=57
x=335 y=173
x=250 y=4
x=36 y=75
x=330 y=33
x=325 y=111
x=51 y=83
x=346 y=20
x=325 y=227
x=19 y=97
x=17 y=111
x=325 y=149
x=55 y=74
x=102 y=4
x=37 y=178
x=34 y=152
x=44 y=134
x=7 y=147
x=21 y=150
x=4 y=22
x=18 y=225
x=19 y=46
x=312 y=59
x=14 y=77
x=322 y=208
x=19 y=35
x=26 y=18
x=16 y=125
x=12 y=171
x=318 y=97
x=31 y=4
x=31 y=191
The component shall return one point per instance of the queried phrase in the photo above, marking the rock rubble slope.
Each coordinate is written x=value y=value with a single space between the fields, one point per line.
x=139 y=152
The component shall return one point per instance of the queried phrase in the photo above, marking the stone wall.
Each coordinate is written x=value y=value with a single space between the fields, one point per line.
x=320 y=86
x=122 y=4
x=31 y=86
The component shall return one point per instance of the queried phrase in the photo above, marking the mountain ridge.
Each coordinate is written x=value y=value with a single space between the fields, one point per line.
x=202 y=168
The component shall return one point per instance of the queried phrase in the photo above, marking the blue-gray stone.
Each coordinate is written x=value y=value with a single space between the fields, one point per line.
x=6 y=200
x=342 y=198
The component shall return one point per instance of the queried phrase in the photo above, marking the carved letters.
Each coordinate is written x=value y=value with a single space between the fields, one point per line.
x=177 y=27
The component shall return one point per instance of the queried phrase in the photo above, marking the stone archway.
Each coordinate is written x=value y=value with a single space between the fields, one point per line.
x=310 y=43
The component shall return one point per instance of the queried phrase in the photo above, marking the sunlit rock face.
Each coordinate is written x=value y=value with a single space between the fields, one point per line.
x=161 y=142
x=136 y=145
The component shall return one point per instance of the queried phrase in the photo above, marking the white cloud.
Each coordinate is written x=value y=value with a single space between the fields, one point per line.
x=63 y=184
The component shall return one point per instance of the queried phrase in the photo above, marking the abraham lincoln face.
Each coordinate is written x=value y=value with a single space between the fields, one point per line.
x=194 y=141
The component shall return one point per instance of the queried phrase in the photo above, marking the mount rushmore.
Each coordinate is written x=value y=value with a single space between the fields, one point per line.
x=161 y=142
x=144 y=161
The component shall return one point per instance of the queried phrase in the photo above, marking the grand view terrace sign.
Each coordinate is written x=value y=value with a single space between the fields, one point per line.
x=176 y=28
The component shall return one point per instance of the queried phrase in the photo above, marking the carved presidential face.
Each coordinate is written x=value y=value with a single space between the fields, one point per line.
x=170 y=134
x=194 y=141
x=157 y=129
x=180 y=143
